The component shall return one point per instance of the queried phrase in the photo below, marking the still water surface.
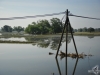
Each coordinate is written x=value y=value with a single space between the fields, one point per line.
x=34 y=59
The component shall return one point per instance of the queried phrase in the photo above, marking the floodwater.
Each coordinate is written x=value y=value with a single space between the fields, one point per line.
x=34 y=59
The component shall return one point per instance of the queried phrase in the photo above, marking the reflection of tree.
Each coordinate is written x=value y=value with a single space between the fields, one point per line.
x=90 y=37
x=32 y=39
x=53 y=42
x=33 y=44
x=68 y=40
x=43 y=44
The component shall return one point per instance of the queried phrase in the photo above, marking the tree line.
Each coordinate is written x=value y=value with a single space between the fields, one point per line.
x=52 y=26
x=40 y=27
x=85 y=29
x=7 y=28
x=44 y=26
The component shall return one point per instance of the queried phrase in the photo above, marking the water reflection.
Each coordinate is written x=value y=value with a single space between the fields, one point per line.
x=75 y=66
x=58 y=66
x=13 y=39
x=25 y=59
x=59 y=70
x=53 y=42
x=90 y=37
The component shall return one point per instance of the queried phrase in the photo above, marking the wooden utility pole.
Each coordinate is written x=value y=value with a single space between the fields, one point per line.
x=66 y=25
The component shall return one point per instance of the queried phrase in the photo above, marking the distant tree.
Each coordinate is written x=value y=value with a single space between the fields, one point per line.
x=43 y=26
x=97 y=29
x=91 y=29
x=80 y=30
x=75 y=30
x=6 y=28
x=84 y=29
x=70 y=30
x=32 y=29
x=18 y=28
x=56 y=25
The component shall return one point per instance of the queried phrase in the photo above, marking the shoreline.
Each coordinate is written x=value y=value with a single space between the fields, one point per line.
x=43 y=36
x=51 y=35
x=17 y=42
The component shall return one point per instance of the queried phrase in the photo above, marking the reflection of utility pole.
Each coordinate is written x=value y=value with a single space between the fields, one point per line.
x=75 y=66
x=58 y=66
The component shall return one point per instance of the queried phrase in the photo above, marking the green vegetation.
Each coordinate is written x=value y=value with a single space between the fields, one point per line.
x=7 y=28
x=85 y=29
x=87 y=33
x=54 y=26
x=45 y=27
x=23 y=42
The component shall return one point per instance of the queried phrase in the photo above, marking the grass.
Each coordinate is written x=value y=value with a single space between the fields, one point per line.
x=87 y=33
x=23 y=42
x=54 y=35
x=47 y=35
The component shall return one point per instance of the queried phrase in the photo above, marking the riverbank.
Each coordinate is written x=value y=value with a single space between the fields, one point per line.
x=21 y=42
x=54 y=35
x=87 y=33
x=37 y=37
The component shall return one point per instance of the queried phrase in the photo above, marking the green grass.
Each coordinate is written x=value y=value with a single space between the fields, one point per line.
x=54 y=35
x=23 y=42
x=87 y=33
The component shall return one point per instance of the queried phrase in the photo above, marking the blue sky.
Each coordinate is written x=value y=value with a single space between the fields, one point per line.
x=11 y=8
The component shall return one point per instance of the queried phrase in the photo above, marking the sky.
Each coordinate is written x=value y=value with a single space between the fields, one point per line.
x=19 y=8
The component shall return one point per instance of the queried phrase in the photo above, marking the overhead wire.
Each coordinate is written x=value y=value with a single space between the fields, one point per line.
x=35 y=16
x=85 y=17
x=24 y=17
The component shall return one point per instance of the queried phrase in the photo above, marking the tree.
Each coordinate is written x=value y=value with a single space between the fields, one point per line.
x=43 y=26
x=84 y=29
x=97 y=29
x=75 y=30
x=56 y=25
x=18 y=28
x=80 y=30
x=6 y=28
x=91 y=29
x=30 y=29
x=70 y=30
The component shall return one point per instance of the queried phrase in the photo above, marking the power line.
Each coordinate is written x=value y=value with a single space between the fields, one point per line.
x=24 y=17
x=85 y=17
